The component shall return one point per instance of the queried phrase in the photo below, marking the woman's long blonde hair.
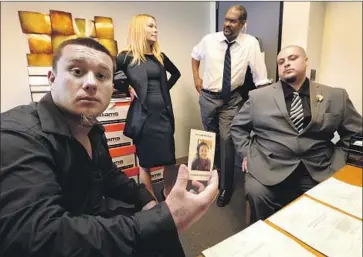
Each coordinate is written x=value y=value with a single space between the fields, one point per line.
x=137 y=42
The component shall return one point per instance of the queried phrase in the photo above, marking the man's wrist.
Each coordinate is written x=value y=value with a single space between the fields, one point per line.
x=149 y=205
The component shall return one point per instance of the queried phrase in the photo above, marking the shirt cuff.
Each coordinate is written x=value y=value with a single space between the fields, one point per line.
x=196 y=56
x=264 y=82
x=158 y=232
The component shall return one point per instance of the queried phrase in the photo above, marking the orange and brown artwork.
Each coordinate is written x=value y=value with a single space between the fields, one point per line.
x=84 y=27
x=35 y=23
x=104 y=27
x=62 y=23
x=45 y=32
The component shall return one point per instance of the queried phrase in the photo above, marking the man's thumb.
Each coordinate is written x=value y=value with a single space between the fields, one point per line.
x=183 y=177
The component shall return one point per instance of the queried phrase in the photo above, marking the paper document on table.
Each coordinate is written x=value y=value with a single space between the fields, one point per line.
x=258 y=240
x=339 y=194
x=325 y=229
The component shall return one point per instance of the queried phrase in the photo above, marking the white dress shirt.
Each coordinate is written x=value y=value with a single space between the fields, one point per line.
x=245 y=51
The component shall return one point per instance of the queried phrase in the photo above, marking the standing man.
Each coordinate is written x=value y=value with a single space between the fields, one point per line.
x=293 y=121
x=226 y=55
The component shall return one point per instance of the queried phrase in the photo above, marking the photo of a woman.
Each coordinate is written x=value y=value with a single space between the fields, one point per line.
x=201 y=161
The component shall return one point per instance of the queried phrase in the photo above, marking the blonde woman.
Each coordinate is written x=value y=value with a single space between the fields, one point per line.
x=150 y=120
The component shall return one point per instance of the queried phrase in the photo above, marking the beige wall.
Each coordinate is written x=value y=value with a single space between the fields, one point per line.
x=331 y=33
x=303 y=24
x=181 y=25
x=295 y=24
x=341 y=56
x=315 y=35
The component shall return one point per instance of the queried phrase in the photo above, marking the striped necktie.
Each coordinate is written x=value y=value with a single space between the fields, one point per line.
x=226 y=86
x=297 y=112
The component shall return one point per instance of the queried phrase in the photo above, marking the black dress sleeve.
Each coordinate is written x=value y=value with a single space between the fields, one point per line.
x=120 y=80
x=172 y=69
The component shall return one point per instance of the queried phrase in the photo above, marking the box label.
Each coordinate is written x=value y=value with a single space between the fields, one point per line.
x=116 y=112
x=124 y=161
x=117 y=138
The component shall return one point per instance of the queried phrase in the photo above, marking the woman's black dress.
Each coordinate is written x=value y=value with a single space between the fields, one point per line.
x=156 y=144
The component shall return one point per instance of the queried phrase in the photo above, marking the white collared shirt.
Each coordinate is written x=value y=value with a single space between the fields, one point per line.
x=245 y=51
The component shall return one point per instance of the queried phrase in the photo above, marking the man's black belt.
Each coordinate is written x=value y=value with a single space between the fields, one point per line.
x=218 y=93
x=211 y=92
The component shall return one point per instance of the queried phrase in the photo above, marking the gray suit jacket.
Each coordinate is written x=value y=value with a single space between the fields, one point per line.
x=276 y=148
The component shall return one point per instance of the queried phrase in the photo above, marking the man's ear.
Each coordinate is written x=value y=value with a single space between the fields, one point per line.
x=306 y=61
x=51 y=77
x=244 y=27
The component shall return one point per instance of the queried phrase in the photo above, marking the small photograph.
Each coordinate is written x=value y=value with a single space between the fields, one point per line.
x=201 y=154
x=201 y=160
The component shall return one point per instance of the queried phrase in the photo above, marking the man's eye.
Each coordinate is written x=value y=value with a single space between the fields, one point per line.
x=101 y=76
x=76 y=72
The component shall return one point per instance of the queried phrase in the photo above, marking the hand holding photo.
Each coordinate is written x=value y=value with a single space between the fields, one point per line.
x=201 y=154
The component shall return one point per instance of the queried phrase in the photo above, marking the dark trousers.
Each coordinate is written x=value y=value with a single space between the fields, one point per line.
x=217 y=117
x=266 y=200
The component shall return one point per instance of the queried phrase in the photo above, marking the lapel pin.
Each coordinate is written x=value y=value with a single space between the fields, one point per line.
x=319 y=98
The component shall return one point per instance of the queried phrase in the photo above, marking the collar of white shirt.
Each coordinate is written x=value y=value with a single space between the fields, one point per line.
x=222 y=38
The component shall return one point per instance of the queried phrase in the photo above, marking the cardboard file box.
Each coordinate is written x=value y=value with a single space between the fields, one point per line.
x=115 y=136
x=116 y=112
x=123 y=157
x=133 y=173
x=157 y=174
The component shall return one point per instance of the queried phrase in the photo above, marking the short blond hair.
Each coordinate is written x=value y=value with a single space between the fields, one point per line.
x=137 y=43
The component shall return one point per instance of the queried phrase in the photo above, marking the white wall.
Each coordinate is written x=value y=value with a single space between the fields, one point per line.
x=315 y=35
x=181 y=25
x=295 y=24
x=303 y=24
x=341 y=57
x=331 y=33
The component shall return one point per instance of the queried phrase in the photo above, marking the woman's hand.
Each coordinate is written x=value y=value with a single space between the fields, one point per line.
x=132 y=93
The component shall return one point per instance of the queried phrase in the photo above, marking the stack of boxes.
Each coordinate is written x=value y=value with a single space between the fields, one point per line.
x=122 y=150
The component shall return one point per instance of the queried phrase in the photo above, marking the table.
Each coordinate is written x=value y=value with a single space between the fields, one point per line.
x=349 y=174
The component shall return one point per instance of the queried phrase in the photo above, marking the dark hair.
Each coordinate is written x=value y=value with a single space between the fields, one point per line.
x=200 y=145
x=82 y=41
x=242 y=10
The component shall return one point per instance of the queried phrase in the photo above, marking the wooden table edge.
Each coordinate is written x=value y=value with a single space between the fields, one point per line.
x=350 y=174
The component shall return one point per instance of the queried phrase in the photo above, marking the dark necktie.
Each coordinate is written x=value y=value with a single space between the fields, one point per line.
x=297 y=112
x=226 y=86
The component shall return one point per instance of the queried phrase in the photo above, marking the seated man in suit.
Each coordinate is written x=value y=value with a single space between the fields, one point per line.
x=293 y=121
